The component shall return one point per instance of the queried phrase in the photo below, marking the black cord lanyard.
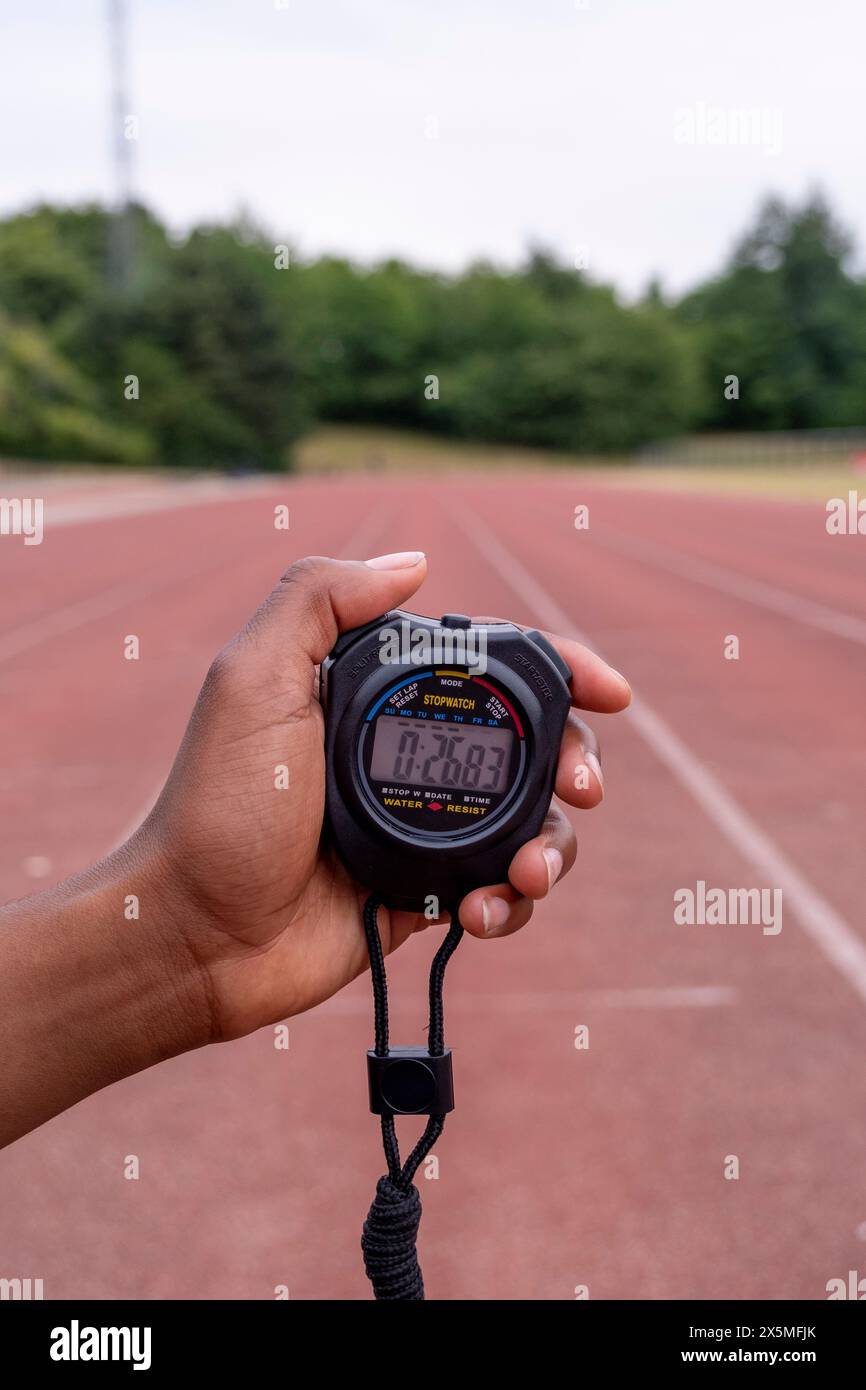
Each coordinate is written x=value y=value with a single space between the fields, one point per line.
x=391 y=1228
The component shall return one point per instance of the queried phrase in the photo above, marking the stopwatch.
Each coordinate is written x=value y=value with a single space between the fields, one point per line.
x=442 y=741
x=441 y=750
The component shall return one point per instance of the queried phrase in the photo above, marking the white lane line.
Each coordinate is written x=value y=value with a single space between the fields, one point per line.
x=101 y=605
x=363 y=535
x=670 y=997
x=725 y=581
x=75 y=615
x=566 y=1000
x=198 y=492
x=828 y=929
x=57 y=624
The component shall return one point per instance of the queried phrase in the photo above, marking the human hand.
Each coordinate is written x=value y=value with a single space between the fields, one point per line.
x=272 y=919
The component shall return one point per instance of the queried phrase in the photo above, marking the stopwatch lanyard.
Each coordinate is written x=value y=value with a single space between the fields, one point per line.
x=391 y=1229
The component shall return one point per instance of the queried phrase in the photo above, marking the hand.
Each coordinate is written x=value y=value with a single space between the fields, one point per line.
x=273 y=921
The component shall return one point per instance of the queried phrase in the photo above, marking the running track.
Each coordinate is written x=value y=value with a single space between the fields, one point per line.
x=602 y=1167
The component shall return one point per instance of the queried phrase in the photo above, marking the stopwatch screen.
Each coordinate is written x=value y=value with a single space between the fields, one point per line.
x=442 y=751
x=441 y=755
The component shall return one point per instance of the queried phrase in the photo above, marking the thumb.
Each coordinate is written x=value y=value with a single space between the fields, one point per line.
x=318 y=598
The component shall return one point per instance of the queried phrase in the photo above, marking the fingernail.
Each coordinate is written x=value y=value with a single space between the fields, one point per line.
x=401 y=560
x=494 y=914
x=553 y=860
x=595 y=766
x=619 y=675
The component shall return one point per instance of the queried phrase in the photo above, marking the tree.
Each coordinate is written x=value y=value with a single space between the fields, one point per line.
x=787 y=318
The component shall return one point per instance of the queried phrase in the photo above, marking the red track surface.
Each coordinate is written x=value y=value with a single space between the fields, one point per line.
x=560 y=1167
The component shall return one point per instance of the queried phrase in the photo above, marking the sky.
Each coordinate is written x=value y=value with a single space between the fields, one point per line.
x=634 y=138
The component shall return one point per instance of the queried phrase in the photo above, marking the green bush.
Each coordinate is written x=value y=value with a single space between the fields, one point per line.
x=235 y=358
x=48 y=410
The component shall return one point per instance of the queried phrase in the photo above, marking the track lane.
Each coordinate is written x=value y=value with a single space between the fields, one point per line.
x=780 y=542
x=535 y=1195
x=781 y=726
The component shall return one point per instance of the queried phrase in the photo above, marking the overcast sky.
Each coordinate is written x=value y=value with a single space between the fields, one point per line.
x=606 y=129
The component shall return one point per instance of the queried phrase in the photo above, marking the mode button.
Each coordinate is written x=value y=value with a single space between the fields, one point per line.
x=455 y=620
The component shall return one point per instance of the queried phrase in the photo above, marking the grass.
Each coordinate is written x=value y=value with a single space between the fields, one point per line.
x=364 y=448
x=806 y=482
x=355 y=449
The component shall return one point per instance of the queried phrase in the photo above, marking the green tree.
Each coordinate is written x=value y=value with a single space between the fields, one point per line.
x=49 y=410
x=787 y=318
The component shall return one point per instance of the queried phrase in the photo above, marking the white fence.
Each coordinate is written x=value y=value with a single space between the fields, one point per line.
x=769 y=449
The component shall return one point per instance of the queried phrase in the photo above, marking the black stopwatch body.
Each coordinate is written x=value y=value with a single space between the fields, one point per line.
x=442 y=739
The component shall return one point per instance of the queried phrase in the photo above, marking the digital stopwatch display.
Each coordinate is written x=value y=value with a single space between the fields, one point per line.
x=442 y=751
x=441 y=755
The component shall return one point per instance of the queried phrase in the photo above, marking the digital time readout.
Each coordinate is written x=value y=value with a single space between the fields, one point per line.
x=441 y=754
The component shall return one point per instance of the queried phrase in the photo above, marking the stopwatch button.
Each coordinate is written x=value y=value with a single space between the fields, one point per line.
x=550 y=652
x=456 y=620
